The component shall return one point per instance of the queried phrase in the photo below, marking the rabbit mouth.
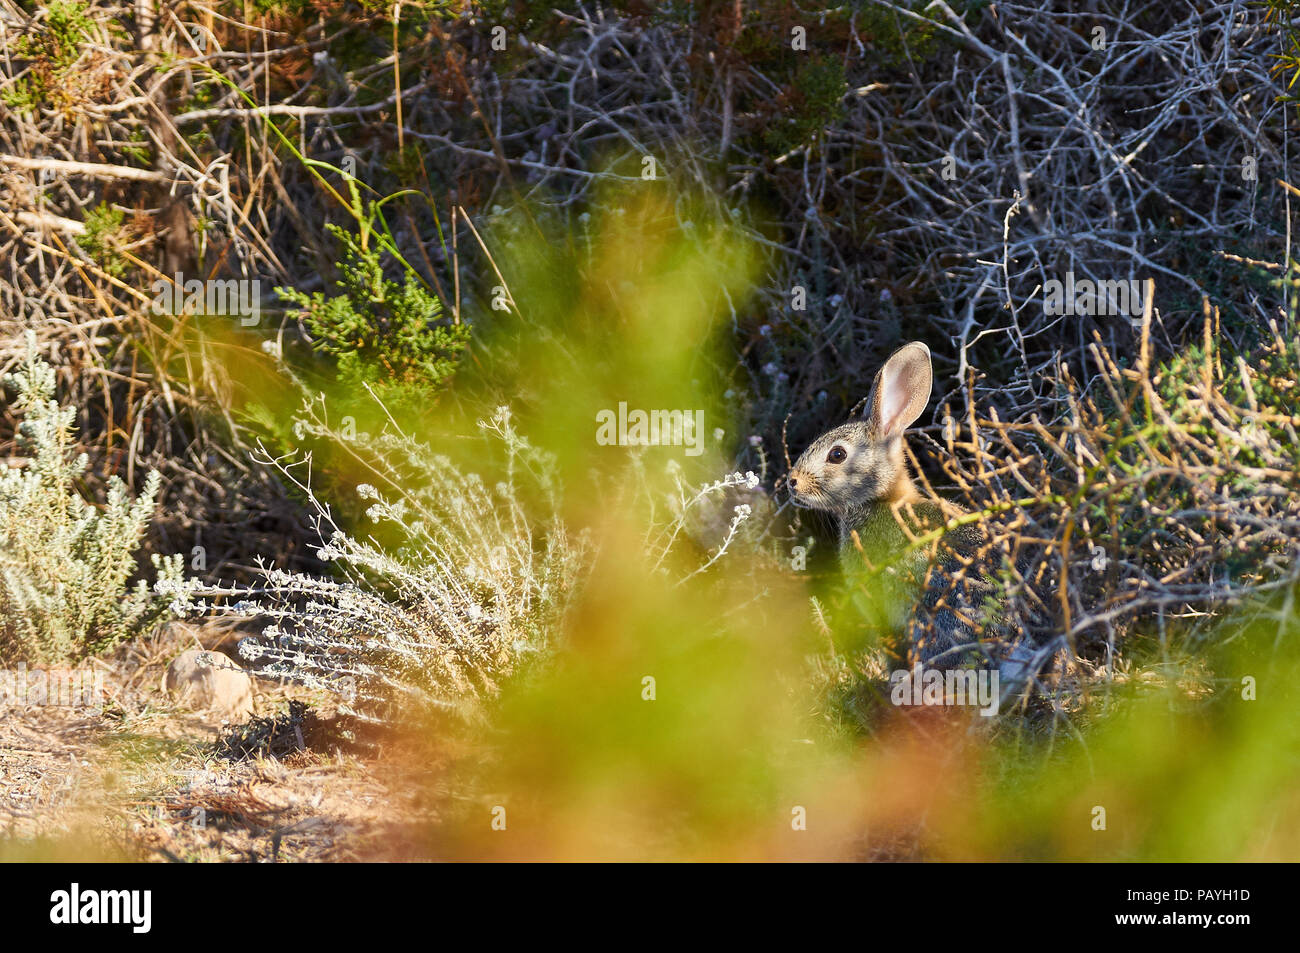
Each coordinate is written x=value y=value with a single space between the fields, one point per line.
x=806 y=501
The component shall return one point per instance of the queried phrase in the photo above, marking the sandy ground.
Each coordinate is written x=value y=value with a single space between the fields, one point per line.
x=145 y=780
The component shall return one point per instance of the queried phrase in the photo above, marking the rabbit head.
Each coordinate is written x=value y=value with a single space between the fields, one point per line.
x=847 y=470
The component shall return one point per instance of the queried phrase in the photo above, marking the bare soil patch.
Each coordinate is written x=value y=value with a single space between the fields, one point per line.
x=145 y=780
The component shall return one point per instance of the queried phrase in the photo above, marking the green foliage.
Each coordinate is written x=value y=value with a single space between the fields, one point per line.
x=897 y=39
x=140 y=153
x=103 y=235
x=66 y=28
x=1187 y=751
x=816 y=103
x=283 y=7
x=64 y=563
x=1264 y=391
x=53 y=50
x=21 y=97
x=390 y=336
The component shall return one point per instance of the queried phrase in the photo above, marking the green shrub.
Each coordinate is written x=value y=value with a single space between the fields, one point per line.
x=388 y=335
x=64 y=563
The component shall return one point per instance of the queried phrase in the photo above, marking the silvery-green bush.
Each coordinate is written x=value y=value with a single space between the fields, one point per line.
x=64 y=562
x=466 y=587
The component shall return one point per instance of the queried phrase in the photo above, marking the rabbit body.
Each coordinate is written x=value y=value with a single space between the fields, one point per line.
x=936 y=595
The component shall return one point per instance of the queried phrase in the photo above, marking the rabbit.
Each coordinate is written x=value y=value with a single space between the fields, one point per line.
x=858 y=473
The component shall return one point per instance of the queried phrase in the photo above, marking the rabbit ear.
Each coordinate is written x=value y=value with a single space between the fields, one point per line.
x=901 y=390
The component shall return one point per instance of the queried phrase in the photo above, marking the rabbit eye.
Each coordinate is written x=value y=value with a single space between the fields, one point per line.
x=836 y=455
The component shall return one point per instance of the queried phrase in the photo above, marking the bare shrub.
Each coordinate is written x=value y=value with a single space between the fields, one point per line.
x=1168 y=497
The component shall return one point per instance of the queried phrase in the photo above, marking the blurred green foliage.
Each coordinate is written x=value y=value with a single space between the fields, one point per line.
x=684 y=717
